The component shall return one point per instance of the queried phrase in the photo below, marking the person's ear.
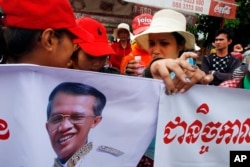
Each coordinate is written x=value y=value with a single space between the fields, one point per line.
x=96 y=121
x=47 y=126
x=180 y=48
x=48 y=39
x=76 y=47
x=70 y=64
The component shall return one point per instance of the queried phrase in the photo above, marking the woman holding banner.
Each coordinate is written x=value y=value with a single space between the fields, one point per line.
x=166 y=40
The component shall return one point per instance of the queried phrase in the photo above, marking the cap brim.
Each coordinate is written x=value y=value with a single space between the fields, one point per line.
x=97 y=48
x=82 y=34
x=140 y=30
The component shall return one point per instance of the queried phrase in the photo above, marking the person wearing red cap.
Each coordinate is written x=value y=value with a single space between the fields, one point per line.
x=40 y=32
x=93 y=56
x=129 y=65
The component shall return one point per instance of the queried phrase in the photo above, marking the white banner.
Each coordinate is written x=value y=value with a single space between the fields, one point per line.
x=201 y=127
x=197 y=128
x=219 y=8
x=128 y=124
x=191 y=6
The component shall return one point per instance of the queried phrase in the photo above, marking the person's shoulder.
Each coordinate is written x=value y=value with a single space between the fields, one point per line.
x=210 y=55
x=246 y=53
x=104 y=154
x=114 y=44
x=234 y=58
x=111 y=70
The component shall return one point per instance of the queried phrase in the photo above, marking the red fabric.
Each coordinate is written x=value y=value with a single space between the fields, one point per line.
x=136 y=51
x=42 y=14
x=145 y=162
x=231 y=83
x=238 y=55
x=141 y=23
x=116 y=59
x=100 y=46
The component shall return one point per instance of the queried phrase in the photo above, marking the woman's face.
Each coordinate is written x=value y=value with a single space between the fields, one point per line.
x=163 y=45
x=123 y=34
x=63 y=51
x=87 y=62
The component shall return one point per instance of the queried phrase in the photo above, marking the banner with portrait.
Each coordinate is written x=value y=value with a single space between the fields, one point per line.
x=123 y=135
x=197 y=128
x=201 y=127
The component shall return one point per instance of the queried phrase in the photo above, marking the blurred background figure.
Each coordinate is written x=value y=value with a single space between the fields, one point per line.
x=220 y=65
x=129 y=65
x=241 y=80
x=237 y=52
x=122 y=47
x=213 y=49
x=246 y=55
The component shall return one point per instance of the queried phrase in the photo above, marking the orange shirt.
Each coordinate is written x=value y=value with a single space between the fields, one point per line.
x=136 y=51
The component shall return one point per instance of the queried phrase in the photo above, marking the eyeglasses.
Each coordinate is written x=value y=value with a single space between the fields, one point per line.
x=55 y=121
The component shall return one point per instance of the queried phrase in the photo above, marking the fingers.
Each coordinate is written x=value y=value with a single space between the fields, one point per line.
x=207 y=79
x=179 y=85
x=185 y=65
x=180 y=69
x=187 y=55
x=131 y=67
x=195 y=77
x=161 y=70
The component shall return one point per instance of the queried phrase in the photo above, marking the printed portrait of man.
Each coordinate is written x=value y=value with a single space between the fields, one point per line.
x=73 y=110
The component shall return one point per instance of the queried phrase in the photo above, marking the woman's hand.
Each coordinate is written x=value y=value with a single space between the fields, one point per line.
x=198 y=76
x=161 y=69
x=131 y=68
x=186 y=75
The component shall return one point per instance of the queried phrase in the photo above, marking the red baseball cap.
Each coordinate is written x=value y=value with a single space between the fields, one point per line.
x=42 y=14
x=100 y=46
x=141 y=22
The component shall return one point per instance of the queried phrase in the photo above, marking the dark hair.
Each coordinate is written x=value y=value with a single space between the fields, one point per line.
x=180 y=40
x=3 y=55
x=78 y=89
x=226 y=31
x=21 y=41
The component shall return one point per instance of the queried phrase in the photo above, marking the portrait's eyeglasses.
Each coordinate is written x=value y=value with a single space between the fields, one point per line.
x=55 y=121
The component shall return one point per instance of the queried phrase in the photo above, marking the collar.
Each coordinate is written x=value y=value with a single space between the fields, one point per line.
x=76 y=157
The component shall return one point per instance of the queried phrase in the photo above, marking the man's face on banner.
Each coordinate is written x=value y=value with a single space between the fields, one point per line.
x=69 y=123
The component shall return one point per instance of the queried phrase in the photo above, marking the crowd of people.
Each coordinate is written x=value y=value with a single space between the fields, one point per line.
x=40 y=37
